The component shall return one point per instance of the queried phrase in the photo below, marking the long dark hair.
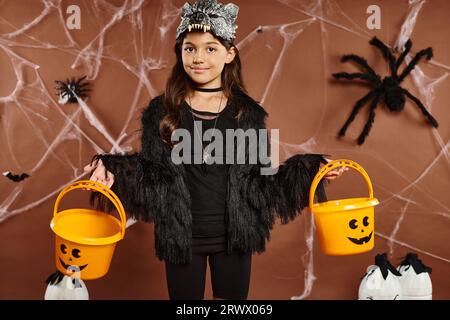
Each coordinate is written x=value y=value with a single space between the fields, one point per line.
x=179 y=84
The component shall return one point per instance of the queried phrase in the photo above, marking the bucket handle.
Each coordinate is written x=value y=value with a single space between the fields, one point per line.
x=93 y=185
x=333 y=165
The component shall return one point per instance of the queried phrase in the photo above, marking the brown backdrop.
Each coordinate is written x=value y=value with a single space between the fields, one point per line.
x=288 y=67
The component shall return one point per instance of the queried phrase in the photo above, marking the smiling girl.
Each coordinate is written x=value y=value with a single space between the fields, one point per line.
x=205 y=212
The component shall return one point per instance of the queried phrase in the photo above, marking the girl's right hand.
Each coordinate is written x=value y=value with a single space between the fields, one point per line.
x=100 y=173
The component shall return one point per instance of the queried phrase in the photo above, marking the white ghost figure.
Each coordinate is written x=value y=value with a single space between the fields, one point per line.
x=415 y=279
x=381 y=281
x=63 y=287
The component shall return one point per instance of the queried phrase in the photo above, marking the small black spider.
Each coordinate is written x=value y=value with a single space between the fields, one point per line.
x=67 y=89
x=387 y=89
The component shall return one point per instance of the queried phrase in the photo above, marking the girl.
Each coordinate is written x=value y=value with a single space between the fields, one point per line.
x=208 y=211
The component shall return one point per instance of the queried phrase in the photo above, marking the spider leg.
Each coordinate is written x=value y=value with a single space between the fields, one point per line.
x=387 y=54
x=81 y=79
x=84 y=88
x=422 y=108
x=363 y=76
x=362 y=137
x=59 y=82
x=84 y=91
x=359 y=60
x=359 y=104
x=408 y=46
x=427 y=53
x=84 y=84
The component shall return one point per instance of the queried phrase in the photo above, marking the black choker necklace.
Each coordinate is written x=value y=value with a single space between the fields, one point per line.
x=209 y=89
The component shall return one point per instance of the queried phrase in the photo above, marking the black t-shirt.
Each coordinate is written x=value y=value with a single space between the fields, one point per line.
x=207 y=183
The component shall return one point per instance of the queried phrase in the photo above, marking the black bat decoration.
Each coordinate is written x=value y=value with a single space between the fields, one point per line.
x=14 y=177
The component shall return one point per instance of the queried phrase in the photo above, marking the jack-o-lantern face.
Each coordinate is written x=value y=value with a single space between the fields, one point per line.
x=362 y=225
x=71 y=259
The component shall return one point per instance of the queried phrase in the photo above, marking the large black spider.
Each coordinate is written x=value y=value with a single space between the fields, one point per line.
x=388 y=89
x=67 y=89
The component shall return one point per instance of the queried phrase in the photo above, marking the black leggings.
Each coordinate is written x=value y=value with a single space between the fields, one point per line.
x=230 y=273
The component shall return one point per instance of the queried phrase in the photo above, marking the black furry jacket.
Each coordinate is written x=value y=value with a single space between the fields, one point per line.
x=152 y=188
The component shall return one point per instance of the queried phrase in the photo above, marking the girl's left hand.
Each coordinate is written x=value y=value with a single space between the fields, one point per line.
x=336 y=173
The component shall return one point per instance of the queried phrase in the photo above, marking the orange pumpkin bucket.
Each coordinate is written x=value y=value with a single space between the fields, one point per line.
x=86 y=239
x=344 y=226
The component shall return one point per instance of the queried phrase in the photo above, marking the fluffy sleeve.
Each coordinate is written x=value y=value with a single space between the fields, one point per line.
x=137 y=177
x=285 y=193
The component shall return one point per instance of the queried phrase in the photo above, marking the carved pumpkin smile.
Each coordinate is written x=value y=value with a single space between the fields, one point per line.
x=66 y=267
x=361 y=240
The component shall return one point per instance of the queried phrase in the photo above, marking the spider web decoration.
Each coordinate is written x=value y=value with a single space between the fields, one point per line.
x=387 y=89
x=134 y=39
